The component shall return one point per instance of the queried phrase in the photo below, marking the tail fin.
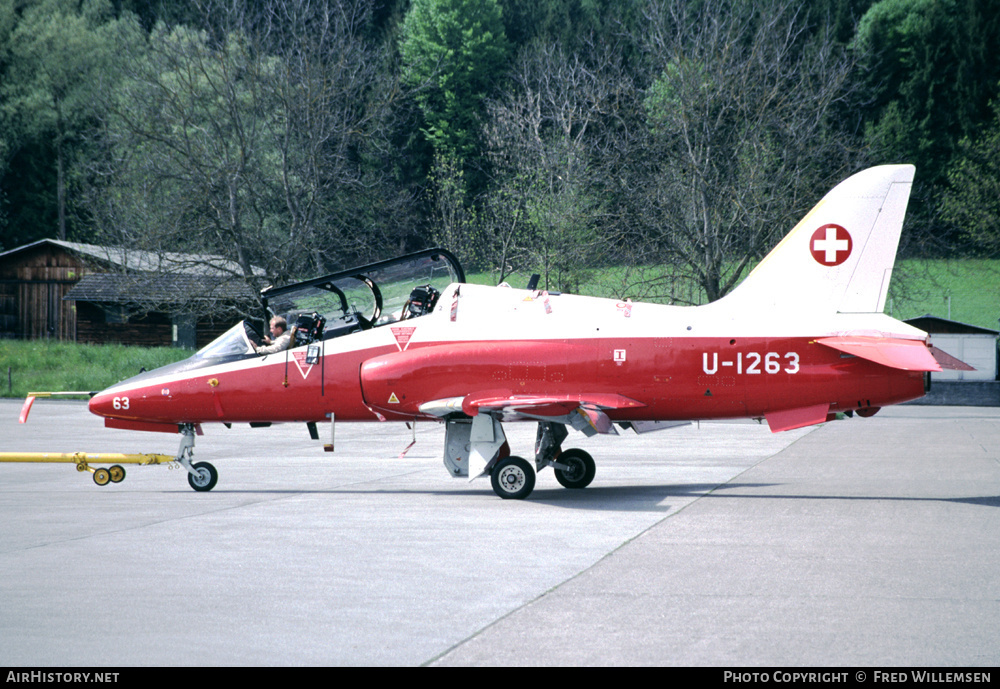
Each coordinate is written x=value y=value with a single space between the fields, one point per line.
x=839 y=257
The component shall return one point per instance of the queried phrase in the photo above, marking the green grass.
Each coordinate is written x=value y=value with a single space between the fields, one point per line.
x=50 y=366
x=968 y=288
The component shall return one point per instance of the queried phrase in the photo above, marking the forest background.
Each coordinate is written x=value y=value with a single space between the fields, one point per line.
x=662 y=146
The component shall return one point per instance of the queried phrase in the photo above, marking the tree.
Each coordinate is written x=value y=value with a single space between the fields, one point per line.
x=188 y=166
x=971 y=201
x=931 y=72
x=545 y=139
x=745 y=121
x=569 y=23
x=453 y=224
x=260 y=145
x=58 y=55
x=338 y=97
x=453 y=52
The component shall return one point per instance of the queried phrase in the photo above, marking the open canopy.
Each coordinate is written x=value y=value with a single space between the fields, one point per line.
x=368 y=296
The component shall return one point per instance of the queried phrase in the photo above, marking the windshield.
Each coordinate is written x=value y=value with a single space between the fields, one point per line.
x=368 y=296
x=232 y=343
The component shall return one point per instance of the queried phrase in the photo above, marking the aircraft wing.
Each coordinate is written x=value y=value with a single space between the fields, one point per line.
x=894 y=352
x=585 y=412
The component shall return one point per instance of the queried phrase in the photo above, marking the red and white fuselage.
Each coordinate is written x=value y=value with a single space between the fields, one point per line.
x=803 y=337
x=656 y=363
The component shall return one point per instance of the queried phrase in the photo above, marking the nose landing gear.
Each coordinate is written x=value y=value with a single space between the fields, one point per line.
x=202 y=476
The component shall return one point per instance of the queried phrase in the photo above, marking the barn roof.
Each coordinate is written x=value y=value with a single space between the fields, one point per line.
x=936 y=324
x=157 y=288
x=143 y=261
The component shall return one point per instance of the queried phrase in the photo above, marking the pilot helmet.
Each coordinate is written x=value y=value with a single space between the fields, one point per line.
x=422 y=300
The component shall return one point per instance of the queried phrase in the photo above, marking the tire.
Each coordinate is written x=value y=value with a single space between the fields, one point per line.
x=102 y=476
x=513 y=478
x=206 y=477
x=581 y=469
x=117 y=473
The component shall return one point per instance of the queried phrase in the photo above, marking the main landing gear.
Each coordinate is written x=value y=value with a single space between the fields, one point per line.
x=479 y=448
x=575 y=468
x=514 y=479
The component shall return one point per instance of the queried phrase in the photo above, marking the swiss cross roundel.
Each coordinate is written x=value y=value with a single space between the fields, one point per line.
x=831 y=245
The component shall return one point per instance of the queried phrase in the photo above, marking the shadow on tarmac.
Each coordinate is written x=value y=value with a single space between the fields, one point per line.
x=648 y=498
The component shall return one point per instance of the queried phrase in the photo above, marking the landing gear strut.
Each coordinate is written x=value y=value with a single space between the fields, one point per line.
x=202 y=476
x=574 y=468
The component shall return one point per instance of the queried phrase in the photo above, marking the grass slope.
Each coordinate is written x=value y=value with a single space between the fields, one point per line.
x=46 y=366
x=969 y=289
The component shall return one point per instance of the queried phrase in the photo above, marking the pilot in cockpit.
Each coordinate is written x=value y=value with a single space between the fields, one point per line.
x=281 y=340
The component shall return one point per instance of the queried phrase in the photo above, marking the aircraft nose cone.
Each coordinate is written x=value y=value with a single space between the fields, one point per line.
x=102 y=404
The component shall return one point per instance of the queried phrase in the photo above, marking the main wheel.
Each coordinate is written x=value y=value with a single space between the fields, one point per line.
x=204 y=478
x=102 y=476
x=117 y=473
x=513 y=478
x=581 y=469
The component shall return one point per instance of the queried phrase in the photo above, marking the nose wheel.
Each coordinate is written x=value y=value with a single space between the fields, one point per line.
x=204 y=476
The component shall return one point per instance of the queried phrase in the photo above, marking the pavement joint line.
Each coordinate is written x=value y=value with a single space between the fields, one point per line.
x=603 y=558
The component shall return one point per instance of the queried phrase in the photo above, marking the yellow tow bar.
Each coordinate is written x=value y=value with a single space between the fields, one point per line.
x=83 y=460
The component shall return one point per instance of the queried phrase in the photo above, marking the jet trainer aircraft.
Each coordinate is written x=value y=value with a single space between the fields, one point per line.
x=802 y=338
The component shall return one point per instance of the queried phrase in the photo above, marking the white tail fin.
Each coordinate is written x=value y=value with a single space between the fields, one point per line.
x=839 y=258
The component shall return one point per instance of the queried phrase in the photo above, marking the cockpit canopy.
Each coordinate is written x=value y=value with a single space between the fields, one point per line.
x=365 y=297
x=345 y=302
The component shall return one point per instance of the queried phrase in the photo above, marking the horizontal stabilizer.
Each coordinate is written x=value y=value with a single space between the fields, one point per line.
x=947 y=361
x=906 y=355
x=788 y=419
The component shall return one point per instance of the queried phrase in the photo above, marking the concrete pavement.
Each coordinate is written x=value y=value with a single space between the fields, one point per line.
x=867 y=541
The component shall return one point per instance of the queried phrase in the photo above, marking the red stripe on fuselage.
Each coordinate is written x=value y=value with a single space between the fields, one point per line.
x=675 y=378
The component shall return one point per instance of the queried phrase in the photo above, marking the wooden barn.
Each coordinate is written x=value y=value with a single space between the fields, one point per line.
x=53 y=289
